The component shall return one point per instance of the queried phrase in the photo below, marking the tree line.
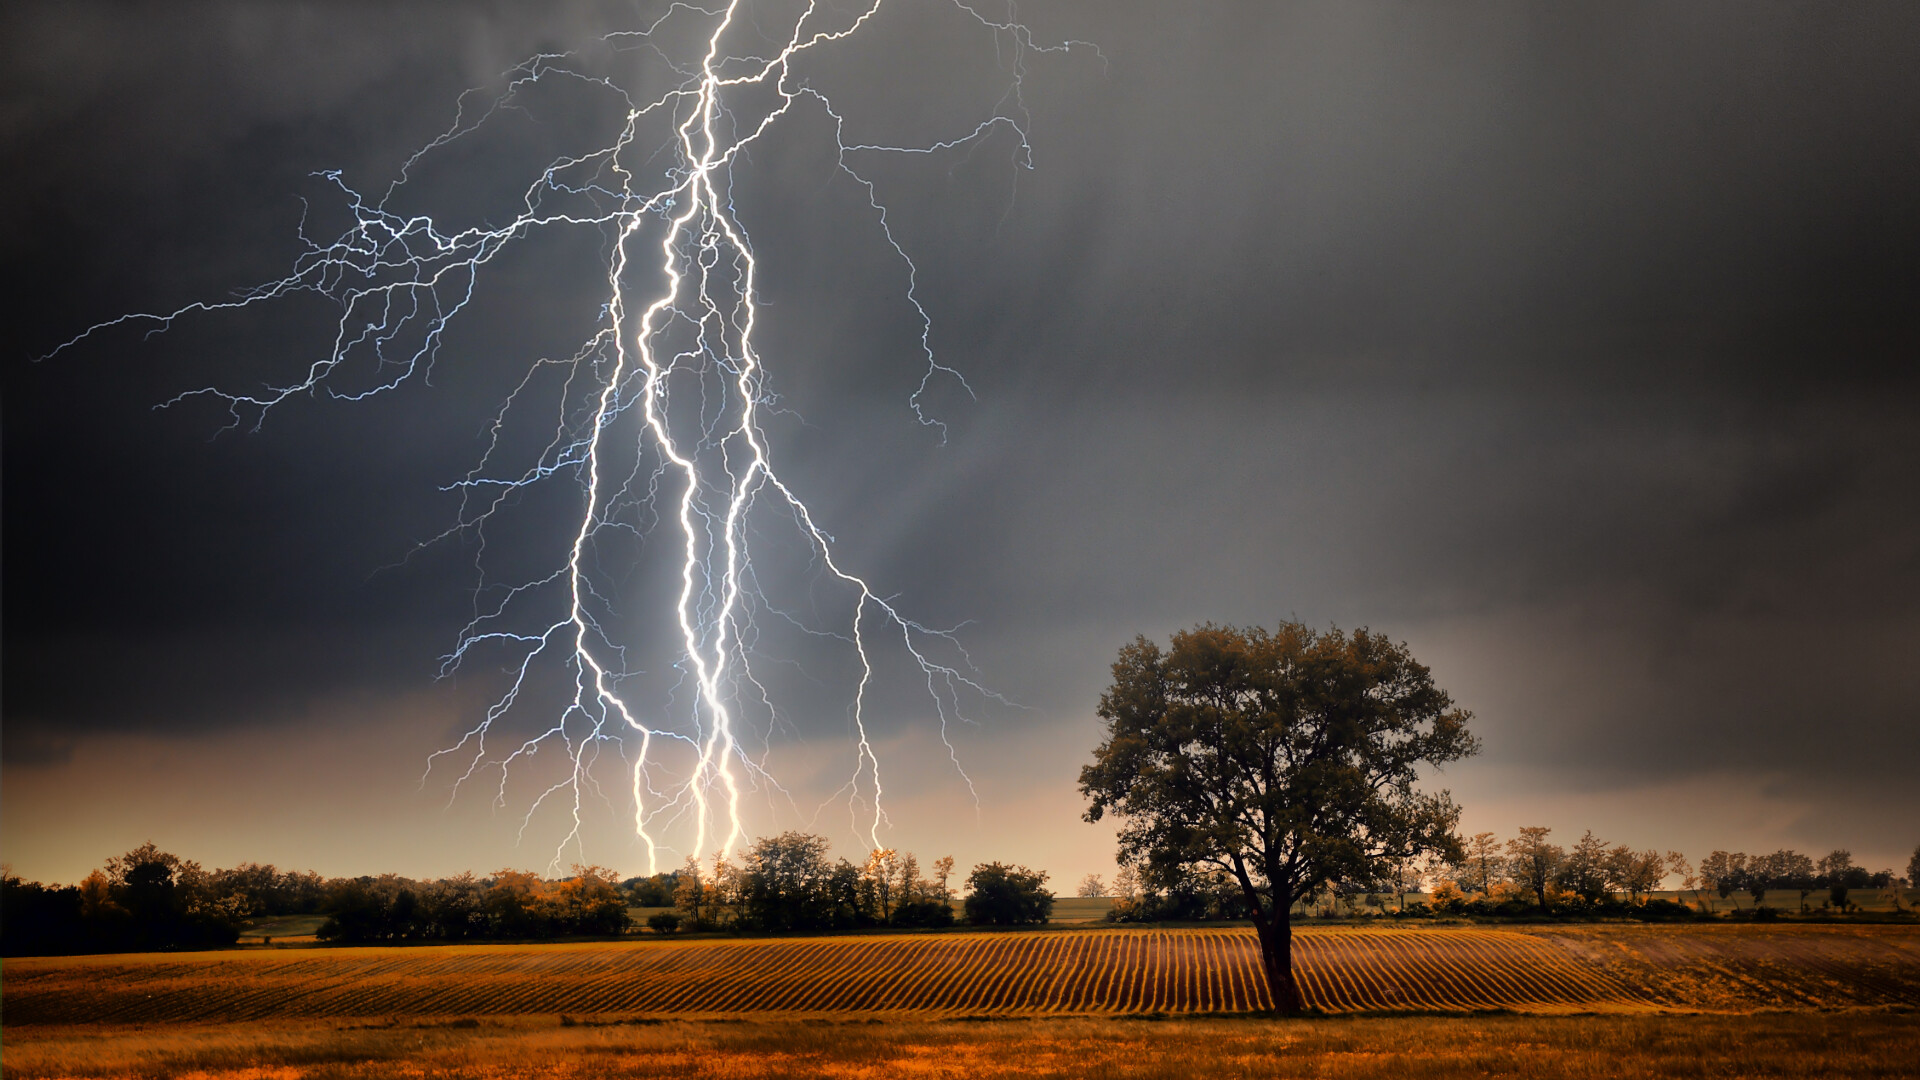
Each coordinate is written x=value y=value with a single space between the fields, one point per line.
x=1730 y=874
x=787 y=882
x=1525 y=875
x=150 y=899
x=1531 y=871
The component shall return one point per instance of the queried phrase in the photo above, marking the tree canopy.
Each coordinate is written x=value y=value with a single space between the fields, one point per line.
x=1003 y=895
x=1285 y=759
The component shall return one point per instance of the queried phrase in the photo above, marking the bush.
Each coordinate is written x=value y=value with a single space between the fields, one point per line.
x=655 y=891
x=663 y=922
x=1664 y=911
x=930 y=911
x=1001 y=895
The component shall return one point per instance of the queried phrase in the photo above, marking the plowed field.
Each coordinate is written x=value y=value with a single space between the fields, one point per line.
x=1107 y=971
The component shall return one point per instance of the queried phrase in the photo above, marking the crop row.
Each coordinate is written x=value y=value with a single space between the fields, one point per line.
x=1090 y=971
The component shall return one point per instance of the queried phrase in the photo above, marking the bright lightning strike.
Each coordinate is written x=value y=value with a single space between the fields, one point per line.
x=659 y=416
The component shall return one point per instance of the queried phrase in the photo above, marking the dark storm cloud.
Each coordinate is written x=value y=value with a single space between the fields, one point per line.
x=1578 y=340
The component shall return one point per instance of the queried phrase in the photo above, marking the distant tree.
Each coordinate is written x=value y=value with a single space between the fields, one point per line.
x=923 y=911
x=1002 y=895
x=1678 y=866
x=96 y=898
x=519 y=905
x=251 y=889
x=1584 y=870
x=1090 y=886
x=1635 y=873
x=1792 y=870
x=355 y=912
x=1765 y=872
x=690 y=895
x=917 y=901
x=663 y=922
x=305 y=891
x=1913 y=870
x=724 y=891
x=1482 y=865
x=42 y=920
x=1402 y=876
x=1832 y=870
x=844 y=896
x=654 y=891
x=142 y=882
x=1198 y=893
x=879 y=875
x=1534 y=863
x=1724 y=873
x=784 y=883
x=1448 y=897
x=1837 y=874
x=168 y=901
x=404 y=918
x=1285 y=760
x=122 y=868
x=456 y=907
x=942 y=870
x=589 y=902
x=908 y=885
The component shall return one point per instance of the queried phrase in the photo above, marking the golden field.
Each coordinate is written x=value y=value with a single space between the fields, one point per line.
x=1600 y=1001
x=1544 y=970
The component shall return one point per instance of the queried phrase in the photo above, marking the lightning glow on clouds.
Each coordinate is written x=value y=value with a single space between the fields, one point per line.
x=656 y=420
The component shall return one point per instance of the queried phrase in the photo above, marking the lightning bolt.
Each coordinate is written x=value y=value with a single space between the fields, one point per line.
x=659 y=412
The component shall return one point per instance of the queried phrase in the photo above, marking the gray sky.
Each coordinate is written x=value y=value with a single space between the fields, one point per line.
x=1573 y=345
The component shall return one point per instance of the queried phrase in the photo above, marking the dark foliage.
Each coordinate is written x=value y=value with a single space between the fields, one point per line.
x=1002 y=895
x=929 y=912
x=655 y=891
x=146 y=899
x=511 y=905
x=1286 y=760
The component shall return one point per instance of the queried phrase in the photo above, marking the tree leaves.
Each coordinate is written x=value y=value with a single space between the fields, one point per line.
x=1286 y=758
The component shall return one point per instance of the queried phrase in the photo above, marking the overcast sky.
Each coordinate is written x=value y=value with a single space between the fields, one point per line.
x=1573 y=345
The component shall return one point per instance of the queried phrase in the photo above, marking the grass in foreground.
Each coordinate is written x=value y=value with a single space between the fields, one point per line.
x=1851 y=1044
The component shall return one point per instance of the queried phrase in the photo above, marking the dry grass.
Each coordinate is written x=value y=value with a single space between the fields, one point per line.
x=1853 y=1044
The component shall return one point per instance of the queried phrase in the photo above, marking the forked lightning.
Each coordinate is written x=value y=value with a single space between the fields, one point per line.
x=660 y=407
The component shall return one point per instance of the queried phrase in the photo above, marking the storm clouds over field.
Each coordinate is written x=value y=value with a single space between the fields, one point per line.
x=1575 y=347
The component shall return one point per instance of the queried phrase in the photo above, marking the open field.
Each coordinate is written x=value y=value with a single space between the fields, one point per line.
x=1073 y=909
x=1545 y=970
x=282 y=928
x=1848 y=1044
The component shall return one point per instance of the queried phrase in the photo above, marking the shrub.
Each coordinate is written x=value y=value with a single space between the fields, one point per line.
x=929 y=911
x=1002 y=895
x=1663 y=911
x=663 y=922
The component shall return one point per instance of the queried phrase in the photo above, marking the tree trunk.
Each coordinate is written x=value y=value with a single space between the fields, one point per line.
x=1276 y=956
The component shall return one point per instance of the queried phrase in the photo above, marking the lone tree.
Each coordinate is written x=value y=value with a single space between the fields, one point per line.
x=1285 y=759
